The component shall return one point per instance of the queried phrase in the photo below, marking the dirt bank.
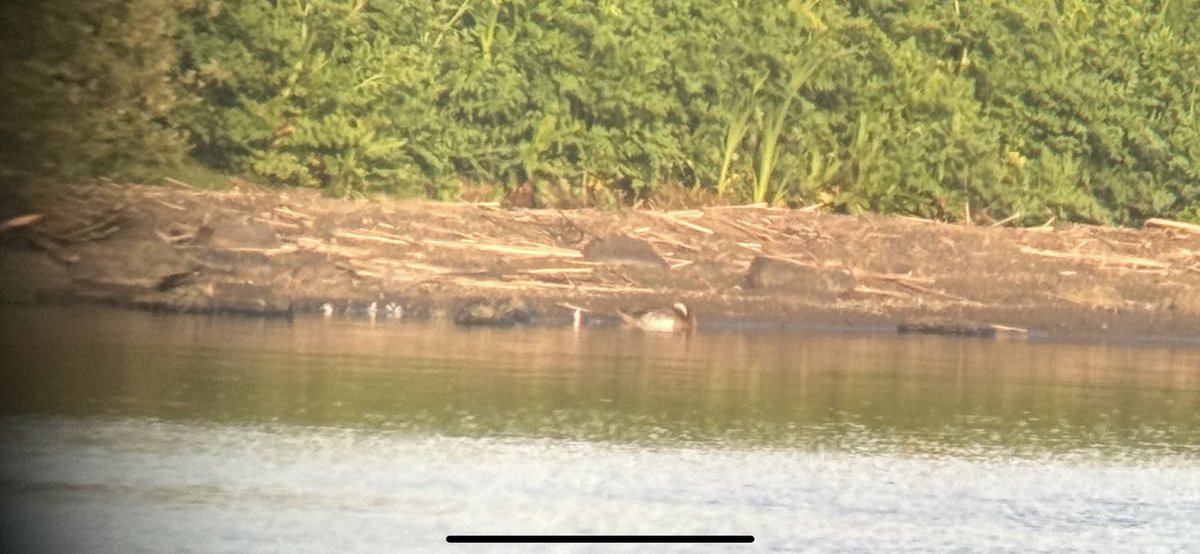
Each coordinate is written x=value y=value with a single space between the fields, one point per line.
x=269 y=252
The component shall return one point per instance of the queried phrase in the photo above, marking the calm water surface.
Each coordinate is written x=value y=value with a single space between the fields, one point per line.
x=125 y=432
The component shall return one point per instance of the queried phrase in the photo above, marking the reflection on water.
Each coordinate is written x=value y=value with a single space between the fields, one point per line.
x=127 y=432
x=885 y=394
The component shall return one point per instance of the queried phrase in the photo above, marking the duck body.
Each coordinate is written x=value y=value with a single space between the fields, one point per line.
x=676 y=319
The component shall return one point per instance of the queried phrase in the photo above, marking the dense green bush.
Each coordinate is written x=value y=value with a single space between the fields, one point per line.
x=86 y=88
x=1094 y=103
x=1076 y=110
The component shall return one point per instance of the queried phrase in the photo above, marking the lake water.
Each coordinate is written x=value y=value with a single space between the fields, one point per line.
x=134 y=432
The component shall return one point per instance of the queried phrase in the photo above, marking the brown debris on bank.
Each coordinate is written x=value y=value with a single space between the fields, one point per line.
x=274 y=252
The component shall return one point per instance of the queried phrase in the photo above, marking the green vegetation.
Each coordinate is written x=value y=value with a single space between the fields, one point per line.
x=86 y=88
x=1078 y=110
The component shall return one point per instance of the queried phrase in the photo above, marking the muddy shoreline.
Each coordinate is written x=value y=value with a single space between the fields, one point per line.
x=276 y=253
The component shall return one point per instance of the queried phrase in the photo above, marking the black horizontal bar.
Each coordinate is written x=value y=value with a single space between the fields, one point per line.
x=600 y=538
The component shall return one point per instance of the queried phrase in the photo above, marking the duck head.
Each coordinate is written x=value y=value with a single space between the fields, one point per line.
x=687 y=320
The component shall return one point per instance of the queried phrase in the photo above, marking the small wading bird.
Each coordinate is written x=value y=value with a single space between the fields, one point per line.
x=676 y=319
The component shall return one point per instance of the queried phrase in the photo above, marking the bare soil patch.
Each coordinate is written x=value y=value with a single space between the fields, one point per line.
x=273 y=252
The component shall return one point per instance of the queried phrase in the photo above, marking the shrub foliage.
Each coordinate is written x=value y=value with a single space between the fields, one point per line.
x=87 y=88
x=1078 y=110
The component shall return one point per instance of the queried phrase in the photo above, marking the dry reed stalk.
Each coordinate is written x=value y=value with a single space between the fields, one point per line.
x=882 y=292
x=928 y=290
x=425 y=268
x=755 y=206
x=170 y=205
x=376 y=236
x=895 y=277
x=558 y=270
x=1175 y=225
x=277 y=223
x=672 y=219
x=322 y=247
x=290 y=213
x=535 y=251
x=285 y=249
x=178 y=184
x=439 y=229
x=526 y=284
x=658 y=237
x=1130 y=261
x=1008 y=332
x=363 y=268
x=19 y=221
x=1006 y=220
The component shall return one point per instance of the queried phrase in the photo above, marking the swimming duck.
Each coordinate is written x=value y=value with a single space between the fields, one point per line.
x=676 y=319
